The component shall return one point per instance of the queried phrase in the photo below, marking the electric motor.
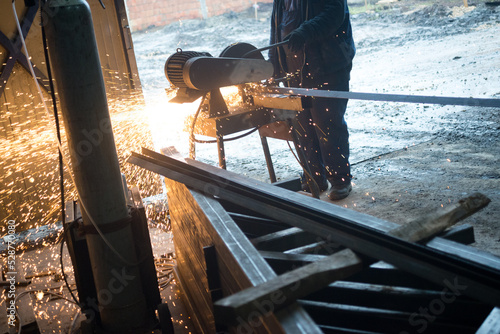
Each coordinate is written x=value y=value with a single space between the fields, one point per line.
x=174 y=66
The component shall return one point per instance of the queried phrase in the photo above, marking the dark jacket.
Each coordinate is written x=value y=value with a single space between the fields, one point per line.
x=326 y=26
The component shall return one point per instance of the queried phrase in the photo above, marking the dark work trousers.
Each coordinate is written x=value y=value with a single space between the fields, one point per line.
x=322 y=130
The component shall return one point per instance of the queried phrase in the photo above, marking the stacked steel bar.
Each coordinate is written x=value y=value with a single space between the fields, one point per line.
x=439 y=261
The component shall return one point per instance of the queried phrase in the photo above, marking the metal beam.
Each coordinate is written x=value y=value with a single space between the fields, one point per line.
x=491 y=324
x=15 y=53
x=442 y=100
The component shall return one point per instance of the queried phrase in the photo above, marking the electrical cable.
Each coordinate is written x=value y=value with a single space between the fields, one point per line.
x=227 y=139
x=59 y=144
x=56 y=115
x=73 y=323
x=306 y=172
x=76 y=300
x=192 y=140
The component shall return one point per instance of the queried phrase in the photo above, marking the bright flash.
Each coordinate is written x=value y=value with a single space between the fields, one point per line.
x=39 y=295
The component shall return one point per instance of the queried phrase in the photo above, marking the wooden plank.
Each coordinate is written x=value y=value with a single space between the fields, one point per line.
x=98 y=14
x=319 y=248
x=128 y=45
x=284 y=262
x=316 y=275
x=114 y=32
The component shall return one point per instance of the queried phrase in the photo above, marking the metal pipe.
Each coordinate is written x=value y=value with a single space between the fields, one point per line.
x=443 y=100
x=80 y=84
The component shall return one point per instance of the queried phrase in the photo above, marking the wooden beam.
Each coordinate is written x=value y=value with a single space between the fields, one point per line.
x=285 y=261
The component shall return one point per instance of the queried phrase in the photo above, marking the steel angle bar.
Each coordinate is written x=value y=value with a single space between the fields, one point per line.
x=360 y=232
x=443 y=100
x=491 y=324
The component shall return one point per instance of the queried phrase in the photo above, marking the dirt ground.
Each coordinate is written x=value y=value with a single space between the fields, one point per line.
x=407 y=158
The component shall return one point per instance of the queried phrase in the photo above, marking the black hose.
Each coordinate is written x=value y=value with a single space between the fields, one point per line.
x=62 y=264
x=56 y=116
x=264 y=48
x=227 y=139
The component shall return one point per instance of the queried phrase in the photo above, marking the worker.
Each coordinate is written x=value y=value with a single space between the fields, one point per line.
x=318 y=55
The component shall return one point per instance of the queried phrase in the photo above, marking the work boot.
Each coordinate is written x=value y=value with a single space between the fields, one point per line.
x=322 y=184
x=339 y=191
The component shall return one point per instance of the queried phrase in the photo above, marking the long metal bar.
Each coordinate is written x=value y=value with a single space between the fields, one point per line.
x=443 y=100
x=358 y=231
x=491 y=324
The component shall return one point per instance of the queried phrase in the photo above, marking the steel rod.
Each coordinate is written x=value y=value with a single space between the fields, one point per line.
x=442 y=100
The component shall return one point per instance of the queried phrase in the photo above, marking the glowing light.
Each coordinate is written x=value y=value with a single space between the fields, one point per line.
x=39 y=295
x=30 y=159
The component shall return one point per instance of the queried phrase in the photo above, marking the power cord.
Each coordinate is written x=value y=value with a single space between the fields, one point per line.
x=76 y=300
x=227 y=139
x=56 y=115
x=306 y=172
x=193 y=139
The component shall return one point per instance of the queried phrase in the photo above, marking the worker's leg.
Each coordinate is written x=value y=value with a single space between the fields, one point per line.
x=331 y=128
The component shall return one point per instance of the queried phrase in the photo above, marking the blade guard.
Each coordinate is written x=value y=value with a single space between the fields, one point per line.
x=207 y=73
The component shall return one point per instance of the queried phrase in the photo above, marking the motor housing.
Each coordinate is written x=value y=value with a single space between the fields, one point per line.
x=201 y=71
x=174 y=66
